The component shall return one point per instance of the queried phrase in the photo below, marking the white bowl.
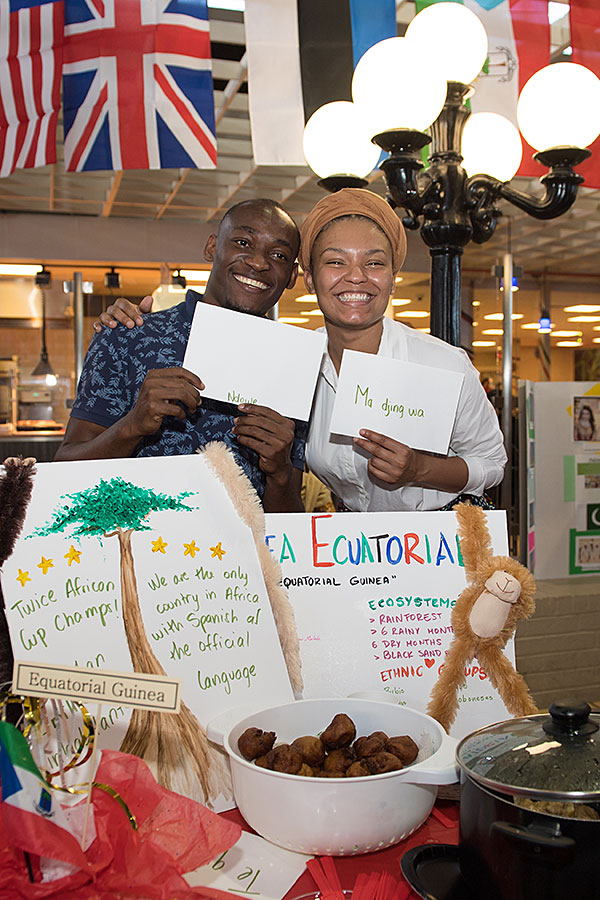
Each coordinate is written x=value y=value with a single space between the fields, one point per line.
x=339 y=816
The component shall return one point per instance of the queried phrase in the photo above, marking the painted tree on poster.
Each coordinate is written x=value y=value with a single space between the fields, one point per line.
x=118 y=508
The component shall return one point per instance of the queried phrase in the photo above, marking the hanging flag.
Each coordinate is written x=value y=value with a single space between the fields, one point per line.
x=301 y=54
x=518 y=45
x=137 y=85
x=584 y=17
x=31 y=818
x=31 y=35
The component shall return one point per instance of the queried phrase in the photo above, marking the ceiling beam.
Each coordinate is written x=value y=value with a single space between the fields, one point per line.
x=112 y=193
x=225 y=201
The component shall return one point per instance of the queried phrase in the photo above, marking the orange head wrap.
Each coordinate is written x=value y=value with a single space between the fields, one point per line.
x=353 y=202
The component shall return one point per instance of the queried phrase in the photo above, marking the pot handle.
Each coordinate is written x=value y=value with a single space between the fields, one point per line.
x=440 y=768
x=539 y=840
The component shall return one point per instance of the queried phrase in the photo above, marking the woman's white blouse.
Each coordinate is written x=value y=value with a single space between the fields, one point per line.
x=476 y=436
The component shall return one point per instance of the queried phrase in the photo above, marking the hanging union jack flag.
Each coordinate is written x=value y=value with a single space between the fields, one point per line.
x=137 y=85
x=31 y=34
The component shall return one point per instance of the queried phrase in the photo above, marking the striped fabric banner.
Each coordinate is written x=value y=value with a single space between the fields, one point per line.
x=31 y=46
x=301 y=54
x=584 y=16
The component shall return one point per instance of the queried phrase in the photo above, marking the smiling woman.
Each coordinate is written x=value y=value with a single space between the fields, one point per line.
x=352 y=246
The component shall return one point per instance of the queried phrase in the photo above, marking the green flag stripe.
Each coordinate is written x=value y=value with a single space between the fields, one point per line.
x=18 y=749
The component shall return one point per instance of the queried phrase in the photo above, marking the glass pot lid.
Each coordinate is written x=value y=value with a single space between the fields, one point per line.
x=555 y=757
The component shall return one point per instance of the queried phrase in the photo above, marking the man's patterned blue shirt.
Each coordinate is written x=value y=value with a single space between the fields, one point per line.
x=115 y=366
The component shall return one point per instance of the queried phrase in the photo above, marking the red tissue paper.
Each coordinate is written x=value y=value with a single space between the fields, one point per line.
x=174 y=835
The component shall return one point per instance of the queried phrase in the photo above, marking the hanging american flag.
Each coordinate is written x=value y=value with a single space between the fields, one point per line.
x=31 y=34
x=137 y=85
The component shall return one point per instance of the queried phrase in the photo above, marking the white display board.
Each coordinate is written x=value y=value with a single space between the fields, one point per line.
x=567 y=479
x=194 y=569
x=373 y=595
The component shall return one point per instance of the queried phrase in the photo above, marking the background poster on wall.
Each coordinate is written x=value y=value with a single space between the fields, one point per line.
x=102 y=536
x=373 y=595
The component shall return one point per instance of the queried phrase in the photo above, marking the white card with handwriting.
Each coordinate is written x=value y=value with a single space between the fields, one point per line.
x=411 y=403
x=248 y=359
x=252 y=867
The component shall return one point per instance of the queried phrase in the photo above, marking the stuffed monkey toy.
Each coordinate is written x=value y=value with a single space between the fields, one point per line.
x=499 y=593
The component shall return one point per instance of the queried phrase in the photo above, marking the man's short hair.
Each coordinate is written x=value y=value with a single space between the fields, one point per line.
x=267 y=205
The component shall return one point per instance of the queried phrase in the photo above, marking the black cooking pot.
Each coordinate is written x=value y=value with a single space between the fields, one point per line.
x=509 y=851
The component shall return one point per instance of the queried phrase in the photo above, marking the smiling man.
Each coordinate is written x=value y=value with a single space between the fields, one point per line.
x=135 y=399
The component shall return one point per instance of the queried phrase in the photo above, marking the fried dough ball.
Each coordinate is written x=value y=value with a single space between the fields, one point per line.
x=367 y=746
x=310 y=749
x=403 y=747
x=340 y=732
x=261 y=761
x=338 y=760
x=284 y=759
x=381 y=735
x=306 y=771
x=255 y=742
x=383 y=762
x=357 y=769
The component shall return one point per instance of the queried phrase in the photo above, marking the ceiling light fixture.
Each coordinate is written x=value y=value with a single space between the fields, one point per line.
x=43 y=367
x=178 y=280
x=545 y=325
x=43 y=277
x=567 y=333
x=492 y=331
x=112 y=279
x=582 y=308
x=484 y=343
x=292 y=320
x=195 y=276
x=306 y=298
x=18 y=270
x=515 y=284
x=497 y=317
x=412 y=314
x=400 y=301
x=568 y=344
x=583 y=319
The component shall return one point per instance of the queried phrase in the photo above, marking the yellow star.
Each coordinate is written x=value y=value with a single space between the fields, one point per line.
x=191 y=549
x=73 y=555
x=158 y=546
x=23 y=577
x=218 y=551
x=45 y=564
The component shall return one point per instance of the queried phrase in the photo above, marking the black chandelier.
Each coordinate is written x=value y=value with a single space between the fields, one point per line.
x=450 y=209
x=447 y=200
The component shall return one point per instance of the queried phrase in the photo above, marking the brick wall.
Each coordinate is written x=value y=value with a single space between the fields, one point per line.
x=558 y=649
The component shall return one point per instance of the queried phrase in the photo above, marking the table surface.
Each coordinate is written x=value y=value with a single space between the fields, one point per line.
x=440 y=828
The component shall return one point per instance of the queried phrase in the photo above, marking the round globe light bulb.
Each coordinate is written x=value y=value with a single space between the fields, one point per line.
x=395 y=90
x=560 y=107
x=451 y=38
x=491 y=145
x=336 y=142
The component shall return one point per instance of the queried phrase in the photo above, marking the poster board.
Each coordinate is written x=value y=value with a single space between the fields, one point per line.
x=169 y=527
x=567 y=480
x=373 y=595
